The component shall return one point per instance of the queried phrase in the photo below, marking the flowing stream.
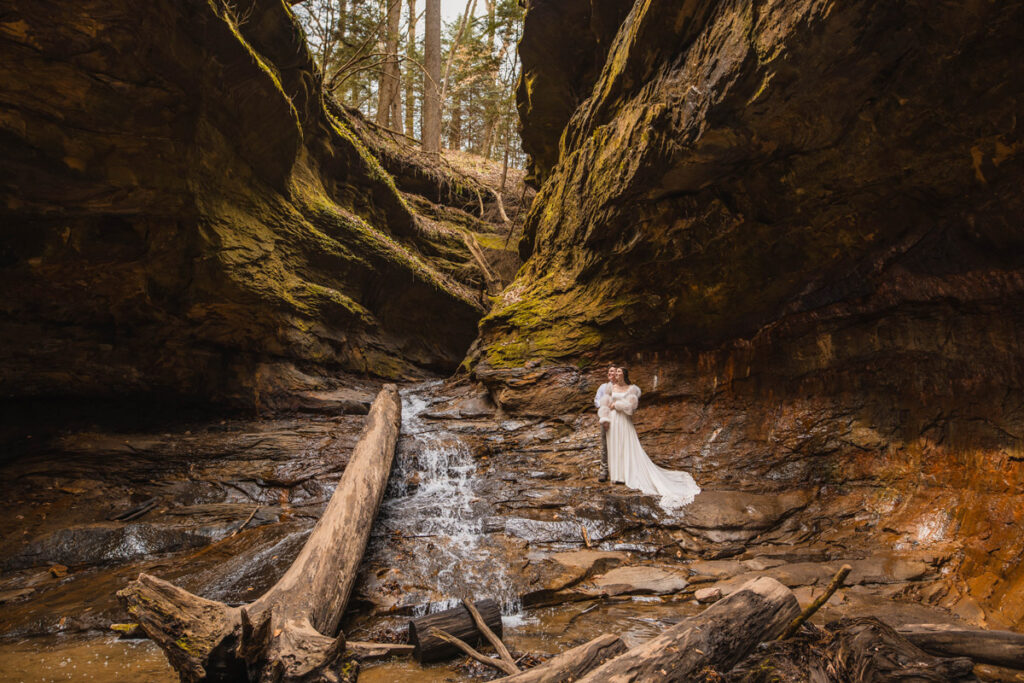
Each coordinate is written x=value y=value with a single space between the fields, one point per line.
x=431 y=524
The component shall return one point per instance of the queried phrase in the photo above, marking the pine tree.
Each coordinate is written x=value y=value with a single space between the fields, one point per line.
x=389 y=99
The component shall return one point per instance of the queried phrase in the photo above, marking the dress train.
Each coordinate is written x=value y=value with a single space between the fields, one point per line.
x=629 y=463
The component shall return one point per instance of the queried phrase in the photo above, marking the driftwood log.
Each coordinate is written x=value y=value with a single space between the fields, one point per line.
x=458 y=622
x=833 y=586
x=291 y=632
x=1001 y=648
x=572 y=664
x=718 y=637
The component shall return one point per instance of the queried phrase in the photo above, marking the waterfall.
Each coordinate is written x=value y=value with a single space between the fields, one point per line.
x=431 y=501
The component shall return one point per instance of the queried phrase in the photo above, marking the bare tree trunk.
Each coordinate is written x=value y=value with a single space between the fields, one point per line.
x=1000 y=648
x=389 y=102
x=431 y=138
x=490 y=113
x=288 y=634
x=487 y=145
x=491 y=6
x=396 y=100
x=410 y=89
x=508 y=144
x=455 y=126
x=457 y=622
x=395 y=63
x=504 y=170
x=342 y=20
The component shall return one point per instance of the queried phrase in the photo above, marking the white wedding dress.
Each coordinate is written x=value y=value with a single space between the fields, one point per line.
x=627 y=460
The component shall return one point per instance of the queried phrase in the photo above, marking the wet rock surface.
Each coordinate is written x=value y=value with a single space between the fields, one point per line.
x=493 y=507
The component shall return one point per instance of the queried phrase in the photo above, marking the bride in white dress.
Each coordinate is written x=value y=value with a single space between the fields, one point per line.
x=627 y=461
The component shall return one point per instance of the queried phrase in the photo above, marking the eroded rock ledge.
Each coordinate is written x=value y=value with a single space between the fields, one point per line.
x=183 y=214
x=798 y=222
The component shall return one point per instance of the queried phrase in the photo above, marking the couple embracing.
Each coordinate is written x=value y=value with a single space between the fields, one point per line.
x=622 y=456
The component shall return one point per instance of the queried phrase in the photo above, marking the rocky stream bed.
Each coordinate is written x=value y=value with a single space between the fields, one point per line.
x=479 y=504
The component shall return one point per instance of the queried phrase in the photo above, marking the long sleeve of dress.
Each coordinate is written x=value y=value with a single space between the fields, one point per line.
x=604 y=410
x=628 y=403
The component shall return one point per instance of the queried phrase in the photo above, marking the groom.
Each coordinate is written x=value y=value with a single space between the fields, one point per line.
x=604 y=425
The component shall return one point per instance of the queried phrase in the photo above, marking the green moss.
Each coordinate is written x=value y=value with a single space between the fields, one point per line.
x=185 y=645
x=318 y=294
x=269 y=70
x=489 y=240
x=363 y=238
x=559 y=341
x=373 y=166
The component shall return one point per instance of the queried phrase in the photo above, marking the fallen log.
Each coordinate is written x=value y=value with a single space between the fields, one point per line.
x=718 y=637
x=291 y=632
x=1000 y=648
x=571 y=664
x=457 y=622
x=833 y=586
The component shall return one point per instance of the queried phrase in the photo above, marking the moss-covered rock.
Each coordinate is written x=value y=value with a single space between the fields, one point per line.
x=182 y=211
x=732 y=165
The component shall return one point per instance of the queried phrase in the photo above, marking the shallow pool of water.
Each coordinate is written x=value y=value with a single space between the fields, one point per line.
x=82 y=658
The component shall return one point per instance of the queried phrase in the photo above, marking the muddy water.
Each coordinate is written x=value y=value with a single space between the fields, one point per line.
x=82 y=658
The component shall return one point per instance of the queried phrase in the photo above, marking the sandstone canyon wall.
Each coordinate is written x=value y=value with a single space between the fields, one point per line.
x=799 y=222
x=183 y=213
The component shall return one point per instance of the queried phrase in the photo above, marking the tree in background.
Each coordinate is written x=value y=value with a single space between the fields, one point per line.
x=431 y=128
x=480 y=80
x=412 y=60
x=389 y=89
x=342 y=37
x=463 y=78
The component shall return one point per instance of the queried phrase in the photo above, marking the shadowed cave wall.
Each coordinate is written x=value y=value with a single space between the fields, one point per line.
x=185 y=215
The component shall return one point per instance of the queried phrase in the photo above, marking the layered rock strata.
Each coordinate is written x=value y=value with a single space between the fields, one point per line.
x=184 y=214
x=798 y=222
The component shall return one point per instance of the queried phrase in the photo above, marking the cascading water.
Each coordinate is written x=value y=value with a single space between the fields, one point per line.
x=431 y=521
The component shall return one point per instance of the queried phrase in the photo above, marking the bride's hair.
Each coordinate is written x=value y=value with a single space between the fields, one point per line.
x=625 y=375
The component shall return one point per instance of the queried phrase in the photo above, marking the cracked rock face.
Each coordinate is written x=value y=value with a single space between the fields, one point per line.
x=183 y=213
x=797 y=222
